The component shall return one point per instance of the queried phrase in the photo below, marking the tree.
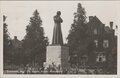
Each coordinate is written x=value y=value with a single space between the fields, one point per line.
x=6 y=42
x=34 y=42
x=9 y=54
x=77 y=38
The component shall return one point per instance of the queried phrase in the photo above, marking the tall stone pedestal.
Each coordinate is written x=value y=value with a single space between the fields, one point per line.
x=57 y=55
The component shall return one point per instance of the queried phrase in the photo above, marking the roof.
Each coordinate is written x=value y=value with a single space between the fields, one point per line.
x=16 y=43
x=95 y=19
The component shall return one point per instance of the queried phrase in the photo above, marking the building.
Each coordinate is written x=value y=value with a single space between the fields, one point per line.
x=103 y=44
x=16 y=51
x=16 y=43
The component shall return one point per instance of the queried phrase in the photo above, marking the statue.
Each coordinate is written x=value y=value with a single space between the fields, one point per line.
x=57 y=33
x=57 y=54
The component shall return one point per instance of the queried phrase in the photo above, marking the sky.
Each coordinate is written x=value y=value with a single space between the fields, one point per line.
x=19 y=12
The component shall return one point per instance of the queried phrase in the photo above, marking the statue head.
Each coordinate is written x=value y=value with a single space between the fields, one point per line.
x=58 y=13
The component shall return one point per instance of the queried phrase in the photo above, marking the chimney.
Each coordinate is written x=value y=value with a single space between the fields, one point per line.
x=90 y=18
x=15 y=37
x=111 y=25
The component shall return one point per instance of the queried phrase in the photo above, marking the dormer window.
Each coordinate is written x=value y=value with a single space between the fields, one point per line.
x=95 y=31
x=105 y=43
x=96 y=43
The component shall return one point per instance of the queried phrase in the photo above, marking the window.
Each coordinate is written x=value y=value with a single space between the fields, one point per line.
x=105 y=43
x=95 y=31
x=101 y=58
x=96 y=43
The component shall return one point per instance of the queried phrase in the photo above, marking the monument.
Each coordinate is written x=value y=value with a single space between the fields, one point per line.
x=57 y=54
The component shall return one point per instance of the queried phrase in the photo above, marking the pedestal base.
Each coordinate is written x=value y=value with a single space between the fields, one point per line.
x=57 y=56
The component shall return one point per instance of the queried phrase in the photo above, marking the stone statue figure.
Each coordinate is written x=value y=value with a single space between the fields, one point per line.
x=57 y=33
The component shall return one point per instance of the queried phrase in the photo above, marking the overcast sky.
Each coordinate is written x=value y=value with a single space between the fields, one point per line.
x=19 y=12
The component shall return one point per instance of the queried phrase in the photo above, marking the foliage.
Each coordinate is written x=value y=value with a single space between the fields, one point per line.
x=77 y=38
x=34 y=43
x=6 y=42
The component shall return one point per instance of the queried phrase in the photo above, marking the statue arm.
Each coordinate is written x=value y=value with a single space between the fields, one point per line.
x=58 y=19
x=55 y=19
x=61 y=20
